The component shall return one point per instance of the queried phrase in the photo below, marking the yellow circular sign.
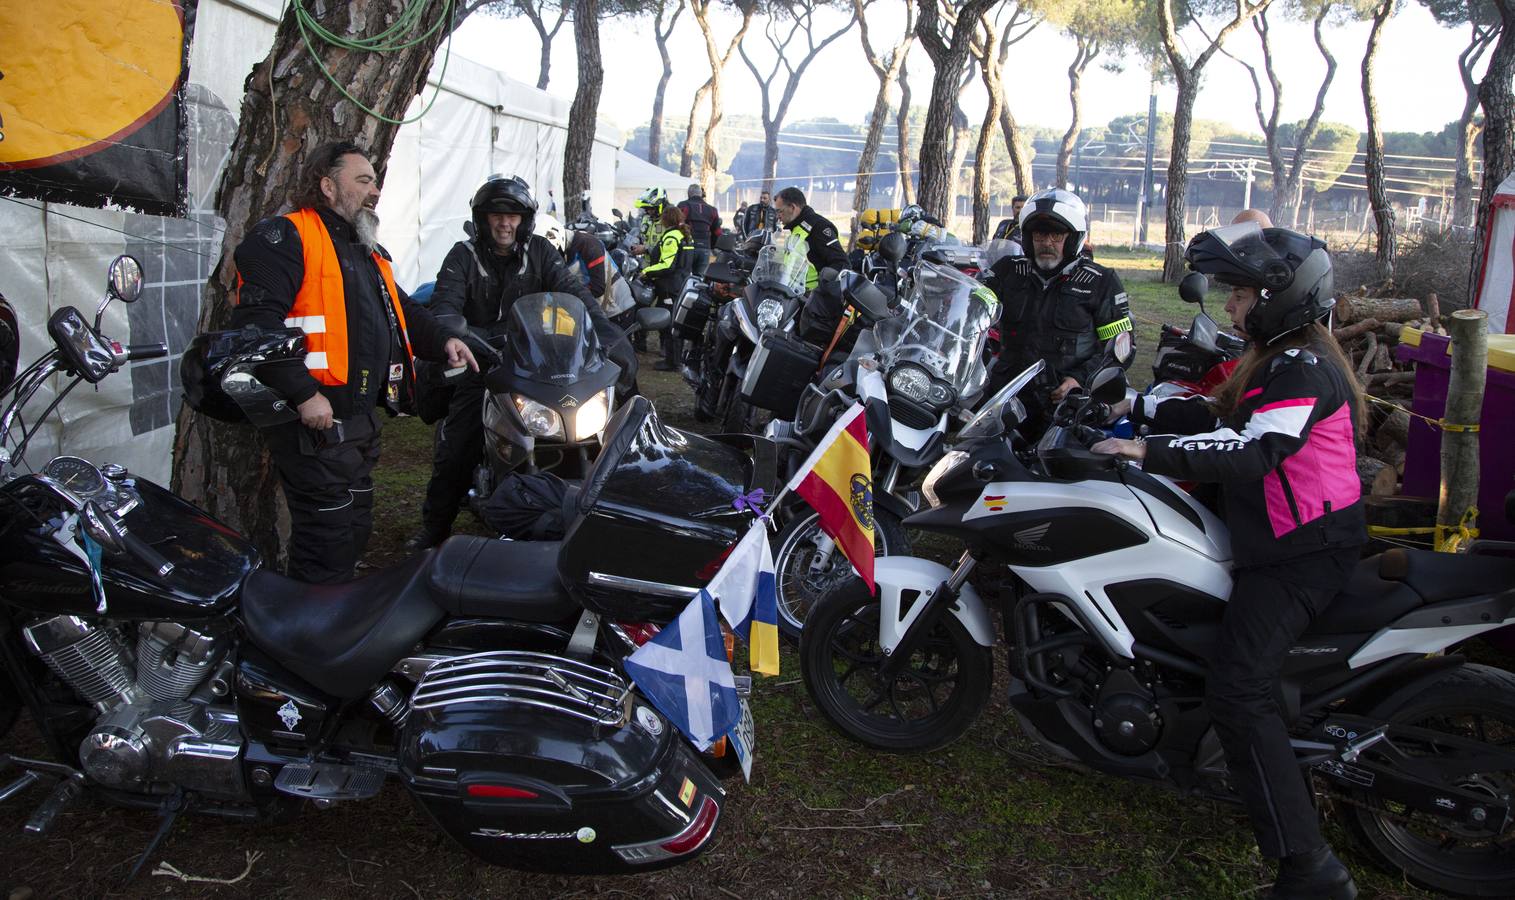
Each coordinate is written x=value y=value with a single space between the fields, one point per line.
x=80 y=74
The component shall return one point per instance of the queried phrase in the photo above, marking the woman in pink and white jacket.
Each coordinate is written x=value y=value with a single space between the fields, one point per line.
x=1279 y=436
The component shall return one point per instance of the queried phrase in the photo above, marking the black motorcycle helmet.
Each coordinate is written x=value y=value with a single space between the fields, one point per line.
x=218 y=373
x=1290 y=271
x=503 y=195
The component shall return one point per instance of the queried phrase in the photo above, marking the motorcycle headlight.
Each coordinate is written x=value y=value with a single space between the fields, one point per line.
x=770 y=313
x=944 y=465
x=541 y=421
x=592 y=416
x=910 y=382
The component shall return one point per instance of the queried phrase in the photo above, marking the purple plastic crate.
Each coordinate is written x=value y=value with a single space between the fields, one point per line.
x=1496 y=437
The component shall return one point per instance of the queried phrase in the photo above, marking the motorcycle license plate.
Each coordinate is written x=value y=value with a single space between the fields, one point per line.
x=744 y=739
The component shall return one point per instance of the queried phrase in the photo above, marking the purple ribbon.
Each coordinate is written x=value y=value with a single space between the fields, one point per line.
x=751 y=501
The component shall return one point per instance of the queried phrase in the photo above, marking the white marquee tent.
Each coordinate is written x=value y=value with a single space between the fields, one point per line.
x=1496 y=277
x=481 y=123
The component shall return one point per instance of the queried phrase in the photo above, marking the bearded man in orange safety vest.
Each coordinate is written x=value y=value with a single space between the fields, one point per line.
x=319 y=268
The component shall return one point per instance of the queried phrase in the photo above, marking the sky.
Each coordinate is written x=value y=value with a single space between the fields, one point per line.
x=1418 y=85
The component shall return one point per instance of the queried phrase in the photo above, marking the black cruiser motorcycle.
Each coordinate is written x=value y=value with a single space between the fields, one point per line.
x=1113 y=590
x=166 y=669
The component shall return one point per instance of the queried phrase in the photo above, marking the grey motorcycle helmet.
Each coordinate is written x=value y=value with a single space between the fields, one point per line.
x=1291 y=272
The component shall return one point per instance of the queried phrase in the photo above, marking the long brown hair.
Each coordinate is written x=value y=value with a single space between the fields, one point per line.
x=672 y=217
x=1318 y=340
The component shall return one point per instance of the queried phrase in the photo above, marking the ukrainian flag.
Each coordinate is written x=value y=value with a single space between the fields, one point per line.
x=747 y=592
x=837 y=481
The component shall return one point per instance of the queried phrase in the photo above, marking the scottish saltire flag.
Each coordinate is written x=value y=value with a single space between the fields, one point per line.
x=837 y=481
x=747 y=595
x=685 y=673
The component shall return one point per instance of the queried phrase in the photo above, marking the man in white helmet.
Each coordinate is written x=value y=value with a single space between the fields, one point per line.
x=1056 y=305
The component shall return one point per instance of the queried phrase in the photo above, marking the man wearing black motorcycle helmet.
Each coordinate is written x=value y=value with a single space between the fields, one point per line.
x=1056 y=305
x=1280 y=438
x=320 y=269
x=479 y=281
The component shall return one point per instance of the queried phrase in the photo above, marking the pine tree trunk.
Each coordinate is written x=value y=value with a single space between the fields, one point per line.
x=861 y=197
x=1019 y=163
x=1178 y=177
x=225 y=469
x=1293 y=185
x=1373 y=164
x=962 y=136
x=583 y=115
x=770 y=155
x=981 y=171
x=950 y=59
x=709 y=164
x=655 y=130
x=1497 y=97
x=686 y=156
x=902 y=141
x=1070 y=137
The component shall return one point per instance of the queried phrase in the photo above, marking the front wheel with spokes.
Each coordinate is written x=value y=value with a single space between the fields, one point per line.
x=931 y=701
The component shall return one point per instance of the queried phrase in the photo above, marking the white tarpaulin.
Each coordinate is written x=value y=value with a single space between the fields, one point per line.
x=1496 y=276
x=482 y=123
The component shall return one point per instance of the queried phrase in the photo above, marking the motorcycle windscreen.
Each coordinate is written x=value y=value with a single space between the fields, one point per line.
x=551 y=339
x=942 y=325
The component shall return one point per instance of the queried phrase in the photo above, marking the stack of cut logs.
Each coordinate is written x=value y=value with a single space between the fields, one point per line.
x=1367 y=329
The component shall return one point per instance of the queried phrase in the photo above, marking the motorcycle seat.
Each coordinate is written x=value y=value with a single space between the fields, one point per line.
x=341 y=638
x=1447 y=576
x=476 y=576
x=1367 y=603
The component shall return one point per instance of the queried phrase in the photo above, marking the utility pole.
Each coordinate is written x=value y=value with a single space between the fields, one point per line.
x=1146 y=195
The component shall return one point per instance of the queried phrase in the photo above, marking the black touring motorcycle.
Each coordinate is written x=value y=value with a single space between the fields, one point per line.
x=1114 y=587
x=166 y=669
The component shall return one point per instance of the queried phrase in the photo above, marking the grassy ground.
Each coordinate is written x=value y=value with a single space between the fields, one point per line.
x=989 y=816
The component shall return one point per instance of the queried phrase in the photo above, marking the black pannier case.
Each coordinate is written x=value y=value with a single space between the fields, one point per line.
x=780 y=368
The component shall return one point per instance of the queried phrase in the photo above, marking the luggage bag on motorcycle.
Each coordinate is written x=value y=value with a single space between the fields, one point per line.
x=780 y=368
x=691 y=311
x=541 y=762
x=657 y=515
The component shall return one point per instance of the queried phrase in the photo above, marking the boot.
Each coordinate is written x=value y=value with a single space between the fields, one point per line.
x=428 y=537
x=1317 y=875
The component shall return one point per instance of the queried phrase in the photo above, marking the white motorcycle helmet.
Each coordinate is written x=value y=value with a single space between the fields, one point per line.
x=549 y=227
x=1065 y=211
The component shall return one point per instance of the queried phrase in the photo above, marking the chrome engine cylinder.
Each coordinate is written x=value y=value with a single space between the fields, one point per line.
x=172 y=660
x=90 y=660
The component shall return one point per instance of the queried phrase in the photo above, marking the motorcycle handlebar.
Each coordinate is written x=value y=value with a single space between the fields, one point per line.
x=135 y=352
x=145 y=554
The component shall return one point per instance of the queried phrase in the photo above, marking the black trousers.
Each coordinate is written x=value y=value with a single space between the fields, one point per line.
x=1269 y=609
x=666 y=287
x=701 y=260
x=457 y=448
x=329 y=489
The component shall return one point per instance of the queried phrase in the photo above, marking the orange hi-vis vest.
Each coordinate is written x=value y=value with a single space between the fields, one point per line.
x=320 y=307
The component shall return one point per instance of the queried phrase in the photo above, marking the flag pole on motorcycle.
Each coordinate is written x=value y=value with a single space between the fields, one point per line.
x=836 y=480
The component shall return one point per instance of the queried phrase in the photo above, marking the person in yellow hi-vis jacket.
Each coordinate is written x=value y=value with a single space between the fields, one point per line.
x=671 y=264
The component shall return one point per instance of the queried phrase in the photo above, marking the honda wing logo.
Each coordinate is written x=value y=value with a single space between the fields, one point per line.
x=1031 y=538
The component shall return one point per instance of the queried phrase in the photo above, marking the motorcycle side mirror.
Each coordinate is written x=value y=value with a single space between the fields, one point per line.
x=1193 y=288
x=125 y=279
x=1012 y=414
x=726 y=241
x=469 y=230
x=653 y=318
x=1109 y=386
x=617 y=213
x=123 y=282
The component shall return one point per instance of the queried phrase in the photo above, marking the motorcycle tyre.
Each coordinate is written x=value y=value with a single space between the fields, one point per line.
x=740 y=417
x=1469 y=689
x=891 y=540
x=968 y=698
x=10 y=704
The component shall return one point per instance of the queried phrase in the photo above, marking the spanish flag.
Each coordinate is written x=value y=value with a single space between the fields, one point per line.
x=837 y=481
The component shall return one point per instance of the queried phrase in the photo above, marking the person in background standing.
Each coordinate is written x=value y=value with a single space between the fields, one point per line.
x=762 y=215
x=703 y=223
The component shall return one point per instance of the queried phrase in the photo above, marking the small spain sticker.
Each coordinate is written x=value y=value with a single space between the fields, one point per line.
x=686 y=792
x=994 y=502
